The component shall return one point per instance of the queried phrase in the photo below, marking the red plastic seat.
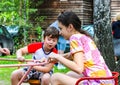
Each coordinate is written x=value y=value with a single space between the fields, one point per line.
x=115 y=77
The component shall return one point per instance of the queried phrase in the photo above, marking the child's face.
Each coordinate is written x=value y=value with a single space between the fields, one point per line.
x=49 y=42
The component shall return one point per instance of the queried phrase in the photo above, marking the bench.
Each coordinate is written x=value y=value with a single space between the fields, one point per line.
x=115 y=77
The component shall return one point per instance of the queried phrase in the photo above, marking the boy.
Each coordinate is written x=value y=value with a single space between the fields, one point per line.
x=40 y=52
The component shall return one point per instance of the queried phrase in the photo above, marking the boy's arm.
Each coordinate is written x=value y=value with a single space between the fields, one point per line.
x=20 y=52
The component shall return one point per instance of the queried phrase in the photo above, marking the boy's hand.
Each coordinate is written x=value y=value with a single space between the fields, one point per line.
x=21 y=59
x=43 y=60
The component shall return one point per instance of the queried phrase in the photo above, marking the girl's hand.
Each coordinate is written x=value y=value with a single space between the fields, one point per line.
x=53 y=57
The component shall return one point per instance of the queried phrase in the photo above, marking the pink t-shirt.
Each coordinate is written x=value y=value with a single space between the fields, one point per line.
x=94 y=64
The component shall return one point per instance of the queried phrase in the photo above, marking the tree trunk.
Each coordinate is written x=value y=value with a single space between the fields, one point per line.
x=103 y=31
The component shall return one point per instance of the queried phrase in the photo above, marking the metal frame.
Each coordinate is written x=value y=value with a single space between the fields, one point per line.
x=115 y=77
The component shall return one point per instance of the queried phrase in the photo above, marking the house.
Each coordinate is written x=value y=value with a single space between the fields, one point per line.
x=115 y=8
x=83 y=8
x=51 y=9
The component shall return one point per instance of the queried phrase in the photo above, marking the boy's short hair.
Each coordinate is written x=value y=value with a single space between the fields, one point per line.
x=51 y=31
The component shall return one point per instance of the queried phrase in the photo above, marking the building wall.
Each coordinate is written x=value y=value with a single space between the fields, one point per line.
x=83 y=8
x=115 y=7
x=51 y=9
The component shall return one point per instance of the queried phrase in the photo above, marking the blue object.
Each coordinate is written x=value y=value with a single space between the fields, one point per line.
x=55 y=24
x=89 y=29
x=61 y=45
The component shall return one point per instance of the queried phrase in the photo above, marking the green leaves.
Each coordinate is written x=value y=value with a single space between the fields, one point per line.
x=9 y=13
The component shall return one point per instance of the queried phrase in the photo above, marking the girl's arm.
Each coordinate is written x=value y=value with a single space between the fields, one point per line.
x=45 y=68
x=66 y=55
x=76 y=65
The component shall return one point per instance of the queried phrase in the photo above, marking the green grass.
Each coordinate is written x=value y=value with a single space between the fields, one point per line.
x=6 y=72
x=5 y=75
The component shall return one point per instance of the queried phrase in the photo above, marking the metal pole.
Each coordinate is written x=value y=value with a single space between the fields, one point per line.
x=24 y=76
x=21 y=65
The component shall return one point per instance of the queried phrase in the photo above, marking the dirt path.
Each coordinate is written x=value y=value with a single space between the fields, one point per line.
x=25 y=84
x=4 y=83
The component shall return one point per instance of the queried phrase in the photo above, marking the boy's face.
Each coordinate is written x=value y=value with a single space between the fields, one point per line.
x=49 y=42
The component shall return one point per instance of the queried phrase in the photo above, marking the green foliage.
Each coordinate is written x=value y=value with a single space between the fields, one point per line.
x=39 y=33
x=19 y=12
x=8 y=12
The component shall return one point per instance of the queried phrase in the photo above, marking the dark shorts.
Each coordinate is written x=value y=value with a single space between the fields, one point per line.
x=33 y=74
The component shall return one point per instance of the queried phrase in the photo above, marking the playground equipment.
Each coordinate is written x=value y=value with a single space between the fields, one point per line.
x=114 y=77
x=31 y=82
x=37 y=82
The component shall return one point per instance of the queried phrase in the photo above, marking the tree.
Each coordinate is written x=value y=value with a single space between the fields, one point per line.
x=9 y=12
x=103 y=31
x=18 y=12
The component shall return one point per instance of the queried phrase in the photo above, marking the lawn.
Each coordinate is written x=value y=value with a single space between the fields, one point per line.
x=6 y=72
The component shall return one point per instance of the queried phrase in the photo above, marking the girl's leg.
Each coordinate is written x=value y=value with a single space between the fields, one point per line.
x=16 y=76
x=62 y=79
x=45 y=80
x=73 y=74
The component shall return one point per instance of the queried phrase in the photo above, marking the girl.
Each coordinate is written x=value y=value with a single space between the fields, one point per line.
x=86 y=58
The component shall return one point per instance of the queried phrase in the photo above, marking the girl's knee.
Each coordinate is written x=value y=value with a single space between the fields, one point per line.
x=55 y=76
x=46 y=77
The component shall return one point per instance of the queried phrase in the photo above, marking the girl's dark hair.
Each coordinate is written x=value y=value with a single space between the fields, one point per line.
x=69 y=17
x=52 y=32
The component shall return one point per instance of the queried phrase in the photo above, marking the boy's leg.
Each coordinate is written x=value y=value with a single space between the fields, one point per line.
x=16 y=76
x=45 y=79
